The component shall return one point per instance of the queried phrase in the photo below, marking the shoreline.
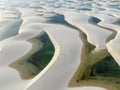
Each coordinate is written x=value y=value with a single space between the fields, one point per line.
x=26 y=69
x=63 y=21
x=74 y=81
x=85 y=56
x=55 y=56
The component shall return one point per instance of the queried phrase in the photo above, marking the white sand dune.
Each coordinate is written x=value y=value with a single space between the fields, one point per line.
x=49 y=81
x=107 y=22
x=34 y=14
x=11 y=78
x=10 y=29
x=69 y=58
x=96 y=35
x=113 y=45
x=17 y=47
x=11 y=51
x=114 y=49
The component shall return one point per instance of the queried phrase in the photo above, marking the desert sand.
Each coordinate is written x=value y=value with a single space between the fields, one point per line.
x=25 y=19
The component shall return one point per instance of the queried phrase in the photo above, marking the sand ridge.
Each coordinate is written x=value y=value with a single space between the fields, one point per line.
x=35 y=16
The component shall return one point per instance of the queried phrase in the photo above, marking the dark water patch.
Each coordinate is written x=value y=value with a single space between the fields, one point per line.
x=60 y=19
x=90 y=47
x=69 y=1
x=40 y=14
x=45 y=54
x=114 y=6
x=106 y=67
x=35 y=7
x=117 y=22
x=101 y=9
x=94 y=20
x=85 y=9
x=37 y=59
x=89 y=69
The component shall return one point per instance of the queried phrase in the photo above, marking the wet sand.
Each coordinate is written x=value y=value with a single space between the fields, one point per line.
x=26 y=69
x=82 y=76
